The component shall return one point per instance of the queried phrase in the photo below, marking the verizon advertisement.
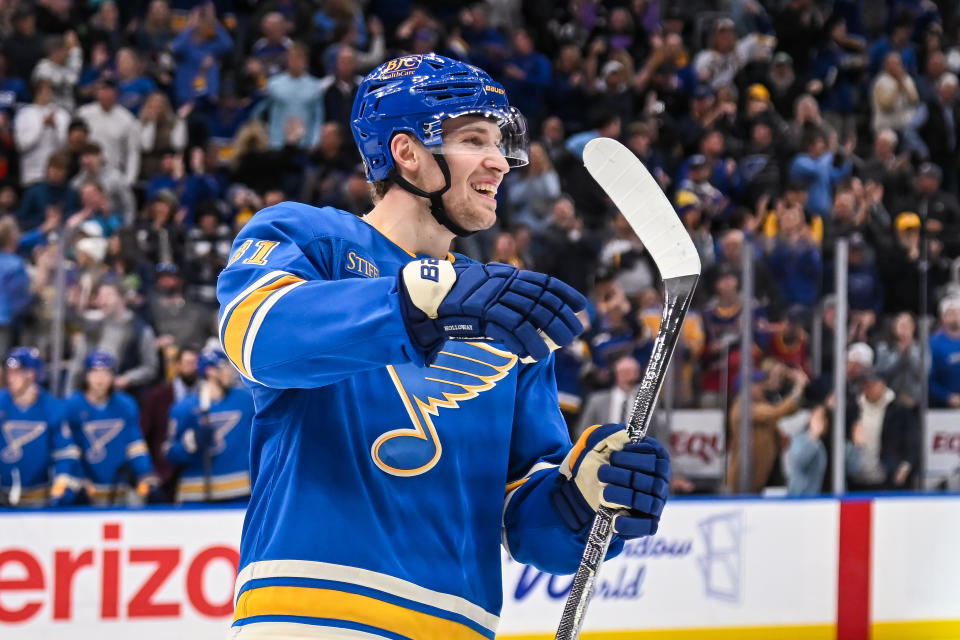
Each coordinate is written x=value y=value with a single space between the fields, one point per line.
x=116 y=574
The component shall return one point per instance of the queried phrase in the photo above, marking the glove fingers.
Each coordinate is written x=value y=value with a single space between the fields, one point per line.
x=532 y=340
x=613 y=475
x=651 y=485
x=570 y=296
x=617 y=497
x=559 y=332
x=570 y=319
x=475 y=302
x=631 y=527
x=643 y=462
x=647 y=504
x=519 y=303
x=507 y=339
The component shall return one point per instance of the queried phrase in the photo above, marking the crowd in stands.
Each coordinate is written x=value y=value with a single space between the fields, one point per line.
x=137 y=138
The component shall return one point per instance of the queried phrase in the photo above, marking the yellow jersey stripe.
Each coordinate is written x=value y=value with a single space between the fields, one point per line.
x=236 y=328
x=258 y=319
x=340 y=605
x=240 y=483
x=136 y=448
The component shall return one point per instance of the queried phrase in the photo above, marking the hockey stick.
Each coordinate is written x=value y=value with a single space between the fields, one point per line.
x=651 y=216
x=205 y=402
x=11 y=497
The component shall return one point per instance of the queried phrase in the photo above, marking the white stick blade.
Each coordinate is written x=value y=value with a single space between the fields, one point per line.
x=641 y=201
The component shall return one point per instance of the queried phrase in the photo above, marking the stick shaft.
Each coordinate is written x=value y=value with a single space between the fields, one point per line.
x=678 y=293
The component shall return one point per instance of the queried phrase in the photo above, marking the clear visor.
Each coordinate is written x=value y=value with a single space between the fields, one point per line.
x=508 y=136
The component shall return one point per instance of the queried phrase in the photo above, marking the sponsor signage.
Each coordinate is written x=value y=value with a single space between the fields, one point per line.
x=766 y=565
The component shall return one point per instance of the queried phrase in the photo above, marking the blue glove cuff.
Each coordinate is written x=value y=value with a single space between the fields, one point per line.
x=571 y=505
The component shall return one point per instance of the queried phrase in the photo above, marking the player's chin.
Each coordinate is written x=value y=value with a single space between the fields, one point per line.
x=478 y=218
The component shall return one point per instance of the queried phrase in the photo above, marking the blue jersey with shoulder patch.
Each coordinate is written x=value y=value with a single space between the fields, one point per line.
x=382 y=488
x=36 y=445
x=229 y=419
x=112 y=448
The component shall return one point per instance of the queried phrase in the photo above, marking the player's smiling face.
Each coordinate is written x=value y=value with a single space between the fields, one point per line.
x=477 y=167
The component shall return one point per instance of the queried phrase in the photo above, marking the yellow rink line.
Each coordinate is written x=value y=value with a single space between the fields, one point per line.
x=907 y=630
x=916 y=630
x=791 y=632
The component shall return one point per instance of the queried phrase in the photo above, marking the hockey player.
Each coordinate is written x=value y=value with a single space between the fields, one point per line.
x=106 y=426
x=210 y=435
x=407 y=415
x=38 y=458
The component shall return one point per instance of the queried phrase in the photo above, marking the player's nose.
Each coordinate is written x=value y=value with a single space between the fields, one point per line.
x=497 y=161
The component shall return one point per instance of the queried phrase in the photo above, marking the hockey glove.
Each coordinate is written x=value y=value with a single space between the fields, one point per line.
x=528 y=312
x=604 y=468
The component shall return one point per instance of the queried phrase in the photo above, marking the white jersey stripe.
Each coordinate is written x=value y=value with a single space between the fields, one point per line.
x=284 y=630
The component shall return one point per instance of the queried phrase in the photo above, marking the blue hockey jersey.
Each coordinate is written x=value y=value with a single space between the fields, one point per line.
x=229 y=419
x=36 y=445
x=382 y=488
x=112 y=448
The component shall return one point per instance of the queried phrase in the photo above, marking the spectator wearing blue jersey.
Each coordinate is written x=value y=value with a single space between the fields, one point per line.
x=821 y=168
x=898 y=41
x=155 y=32
x=864 y=289
x=199 y=50
x=272 y=48
x=794 y=259
x=945 y=356
x=607 y=125
x=527 y=76
x=15 y=296
x=133 y=87
x=106 y=426
x=13 y=90
x=38 y=458
x=52 y=192
x=838 y=66
x=340 y=87
x=294 y=95
x=210 y=435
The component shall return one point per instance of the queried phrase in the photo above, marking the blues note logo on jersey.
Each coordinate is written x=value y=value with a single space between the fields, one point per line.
x=18 y=434
x=454 y=378
x=99 y=434
x=222 y=423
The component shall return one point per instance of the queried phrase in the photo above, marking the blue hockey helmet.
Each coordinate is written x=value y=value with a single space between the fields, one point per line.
x=99 y=359
x=25 y=358
x=415 y=94
x=210 y=358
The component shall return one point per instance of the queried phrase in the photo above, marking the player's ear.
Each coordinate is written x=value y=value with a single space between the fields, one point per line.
x=406 y=152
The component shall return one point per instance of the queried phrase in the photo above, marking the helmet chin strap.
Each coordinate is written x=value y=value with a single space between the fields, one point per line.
x=437 y=209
